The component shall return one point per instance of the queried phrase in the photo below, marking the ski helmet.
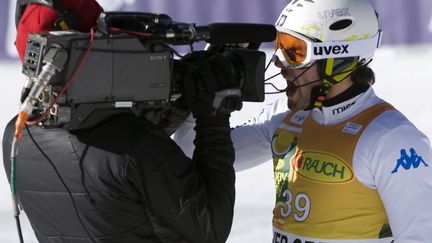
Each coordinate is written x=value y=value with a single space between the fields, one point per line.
x=337 y=34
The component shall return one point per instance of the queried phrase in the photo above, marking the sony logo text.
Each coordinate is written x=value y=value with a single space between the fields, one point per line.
x=157 y=58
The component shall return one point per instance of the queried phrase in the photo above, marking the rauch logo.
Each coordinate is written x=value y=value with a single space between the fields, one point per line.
x=322 y=167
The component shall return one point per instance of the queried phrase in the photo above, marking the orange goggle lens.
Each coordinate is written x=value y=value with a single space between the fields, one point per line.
x=293 y=48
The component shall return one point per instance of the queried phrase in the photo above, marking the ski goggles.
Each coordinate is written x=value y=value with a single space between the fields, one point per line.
x=297 y=51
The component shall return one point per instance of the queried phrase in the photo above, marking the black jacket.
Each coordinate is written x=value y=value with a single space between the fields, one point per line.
x=129 y=183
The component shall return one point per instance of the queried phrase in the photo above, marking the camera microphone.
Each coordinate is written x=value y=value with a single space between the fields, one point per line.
x=218 y=33
x=226 y=33
x=161 y=26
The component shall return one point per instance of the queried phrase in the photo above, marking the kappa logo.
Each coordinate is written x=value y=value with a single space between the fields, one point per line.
x=414 y=160
x=327 y=50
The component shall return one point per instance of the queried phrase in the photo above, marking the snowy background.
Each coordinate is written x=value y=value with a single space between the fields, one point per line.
x=403 y=76
x=403 y=69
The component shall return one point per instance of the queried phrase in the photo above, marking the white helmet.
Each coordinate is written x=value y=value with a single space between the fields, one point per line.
x=334 y=21
x=339 y=35
x=317 y=19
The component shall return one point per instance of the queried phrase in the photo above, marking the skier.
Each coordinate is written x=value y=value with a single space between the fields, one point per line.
x=337 y=149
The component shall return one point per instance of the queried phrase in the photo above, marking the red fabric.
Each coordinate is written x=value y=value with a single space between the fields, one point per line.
x=38 y=18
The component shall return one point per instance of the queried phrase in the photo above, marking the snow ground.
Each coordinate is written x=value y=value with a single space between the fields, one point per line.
x=402 y=74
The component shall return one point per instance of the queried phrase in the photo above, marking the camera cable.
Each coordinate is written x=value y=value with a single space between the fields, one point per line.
x=74 y=204
x=68 y=82
x=26 y=110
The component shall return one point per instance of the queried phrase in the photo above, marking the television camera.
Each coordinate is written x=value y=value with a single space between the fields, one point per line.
x=130 y=63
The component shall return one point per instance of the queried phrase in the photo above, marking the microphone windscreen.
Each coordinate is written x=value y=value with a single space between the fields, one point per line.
x=224 y=33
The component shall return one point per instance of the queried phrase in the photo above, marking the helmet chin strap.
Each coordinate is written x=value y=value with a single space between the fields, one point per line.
x=331 y=73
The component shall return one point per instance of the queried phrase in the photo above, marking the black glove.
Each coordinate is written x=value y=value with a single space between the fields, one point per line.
x=210 y=85
x=174 y=115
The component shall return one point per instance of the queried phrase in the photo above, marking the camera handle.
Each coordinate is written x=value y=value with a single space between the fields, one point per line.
x=228 y=100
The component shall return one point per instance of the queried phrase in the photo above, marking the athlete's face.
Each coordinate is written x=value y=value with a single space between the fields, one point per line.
x=299 y=98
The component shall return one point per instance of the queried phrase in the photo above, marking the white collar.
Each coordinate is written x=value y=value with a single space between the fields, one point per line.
x=330 y=115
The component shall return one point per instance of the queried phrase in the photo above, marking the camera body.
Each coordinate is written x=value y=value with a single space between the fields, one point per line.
x=124 y=71
x=118 y=67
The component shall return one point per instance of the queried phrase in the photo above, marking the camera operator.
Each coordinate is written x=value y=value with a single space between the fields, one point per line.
x=125 y=180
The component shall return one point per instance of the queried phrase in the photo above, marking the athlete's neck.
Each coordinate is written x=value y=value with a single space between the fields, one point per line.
x=354 y=90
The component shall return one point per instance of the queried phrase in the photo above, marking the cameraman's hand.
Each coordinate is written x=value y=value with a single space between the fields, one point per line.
x=210 y=85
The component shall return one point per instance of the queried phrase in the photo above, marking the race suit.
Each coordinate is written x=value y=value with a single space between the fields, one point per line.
x=357 y=171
